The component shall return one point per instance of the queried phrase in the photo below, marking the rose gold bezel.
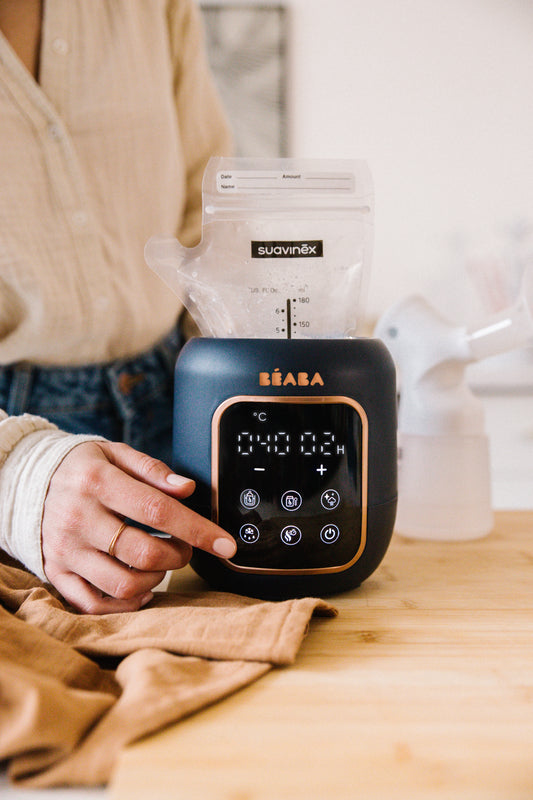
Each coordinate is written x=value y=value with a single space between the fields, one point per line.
x=215 y=426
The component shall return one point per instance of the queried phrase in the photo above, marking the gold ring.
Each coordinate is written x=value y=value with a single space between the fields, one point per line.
x=114 y=540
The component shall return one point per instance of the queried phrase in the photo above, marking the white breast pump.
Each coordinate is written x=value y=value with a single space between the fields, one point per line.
x=444 y=467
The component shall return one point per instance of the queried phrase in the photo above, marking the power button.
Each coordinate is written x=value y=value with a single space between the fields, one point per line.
x=329 y=534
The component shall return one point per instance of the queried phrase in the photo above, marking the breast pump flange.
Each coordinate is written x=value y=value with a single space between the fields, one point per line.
x=444 y=478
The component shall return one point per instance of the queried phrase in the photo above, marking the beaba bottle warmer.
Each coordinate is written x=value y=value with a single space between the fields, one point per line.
x=284 y=418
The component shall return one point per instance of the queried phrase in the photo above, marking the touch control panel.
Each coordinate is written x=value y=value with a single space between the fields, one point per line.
x=289 y=481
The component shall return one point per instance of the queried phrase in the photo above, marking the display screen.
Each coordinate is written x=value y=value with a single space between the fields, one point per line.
x=288 y=482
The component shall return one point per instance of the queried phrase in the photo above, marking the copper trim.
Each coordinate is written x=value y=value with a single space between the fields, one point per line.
x=329 y=399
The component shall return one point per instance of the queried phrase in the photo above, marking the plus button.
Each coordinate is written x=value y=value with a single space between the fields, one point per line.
x=321 y=469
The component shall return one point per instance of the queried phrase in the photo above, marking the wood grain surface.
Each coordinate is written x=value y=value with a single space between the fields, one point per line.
x=421 y=688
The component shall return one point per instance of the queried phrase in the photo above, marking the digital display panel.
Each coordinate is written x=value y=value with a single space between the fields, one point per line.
x=289 y=482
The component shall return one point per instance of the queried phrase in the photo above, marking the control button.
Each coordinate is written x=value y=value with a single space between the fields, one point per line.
x=291 y=500
x=249 y=498
x=249 y=533
x=329 y=534
x=291 y=535
x=321 y=469
x=330 y=499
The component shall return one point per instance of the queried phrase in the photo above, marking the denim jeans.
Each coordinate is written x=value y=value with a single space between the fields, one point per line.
x=129 y=400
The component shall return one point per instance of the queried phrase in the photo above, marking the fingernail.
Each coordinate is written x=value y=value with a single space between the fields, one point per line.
x=224 y=547
x=146 y=598
x=178 y=480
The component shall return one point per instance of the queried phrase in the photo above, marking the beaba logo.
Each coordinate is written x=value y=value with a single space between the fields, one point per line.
x=277 y=378
x=306 y=249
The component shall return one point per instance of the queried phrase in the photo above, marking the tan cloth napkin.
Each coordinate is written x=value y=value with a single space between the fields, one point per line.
x=75 y=689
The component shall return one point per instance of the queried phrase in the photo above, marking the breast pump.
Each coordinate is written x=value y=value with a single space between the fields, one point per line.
x=444 y=466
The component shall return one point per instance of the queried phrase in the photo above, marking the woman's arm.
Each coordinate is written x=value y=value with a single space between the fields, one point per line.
x=63 y=498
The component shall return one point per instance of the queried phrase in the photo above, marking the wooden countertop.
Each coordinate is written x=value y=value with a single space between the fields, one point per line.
x=422 y=688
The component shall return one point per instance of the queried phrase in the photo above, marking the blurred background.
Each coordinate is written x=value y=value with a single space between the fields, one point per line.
x=436 y=96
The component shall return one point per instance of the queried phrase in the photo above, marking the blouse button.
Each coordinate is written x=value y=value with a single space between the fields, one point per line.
x=55 y=131
x=60 y=46
x=80 y=218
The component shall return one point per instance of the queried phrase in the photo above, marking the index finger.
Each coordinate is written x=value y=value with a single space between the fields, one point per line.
x=130 y=497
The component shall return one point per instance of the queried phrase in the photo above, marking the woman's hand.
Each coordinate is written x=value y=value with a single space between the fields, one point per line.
x=95 y=487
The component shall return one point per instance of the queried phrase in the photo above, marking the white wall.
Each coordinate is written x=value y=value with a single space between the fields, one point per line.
x=437 y=97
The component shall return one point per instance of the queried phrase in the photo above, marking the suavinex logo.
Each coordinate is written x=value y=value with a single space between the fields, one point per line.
x=305 y=249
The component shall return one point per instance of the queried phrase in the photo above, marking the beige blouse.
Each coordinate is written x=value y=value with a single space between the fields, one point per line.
x=106 y=150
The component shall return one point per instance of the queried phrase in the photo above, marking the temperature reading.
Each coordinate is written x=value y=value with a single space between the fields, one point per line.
x=283 y=443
